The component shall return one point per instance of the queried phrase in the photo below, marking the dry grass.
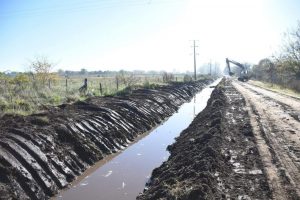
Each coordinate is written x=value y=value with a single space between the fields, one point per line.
x=27 y=98
x=276 y=88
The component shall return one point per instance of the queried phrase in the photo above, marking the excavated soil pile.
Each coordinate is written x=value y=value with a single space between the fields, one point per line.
x=42 y=153
x=214 y=158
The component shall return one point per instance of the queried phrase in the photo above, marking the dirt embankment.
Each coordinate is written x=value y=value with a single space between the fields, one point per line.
x=40 y=154
x=216 y=157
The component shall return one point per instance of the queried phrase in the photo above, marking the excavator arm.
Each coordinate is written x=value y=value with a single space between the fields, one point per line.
x=228 y=66
x=244 y=73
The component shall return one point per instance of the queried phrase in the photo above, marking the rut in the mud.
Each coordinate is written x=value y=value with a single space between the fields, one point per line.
x=41 y=154
x=275 y=119
x=215 y=157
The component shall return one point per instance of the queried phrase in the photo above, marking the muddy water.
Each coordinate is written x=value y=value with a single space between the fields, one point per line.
x=125 y=175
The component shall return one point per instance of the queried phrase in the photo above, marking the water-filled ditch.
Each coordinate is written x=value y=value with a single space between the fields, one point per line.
x=124 y=175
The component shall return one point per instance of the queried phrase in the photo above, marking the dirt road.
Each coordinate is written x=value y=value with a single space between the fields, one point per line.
x=244 y=145
x=216 y=157
x=275 y=120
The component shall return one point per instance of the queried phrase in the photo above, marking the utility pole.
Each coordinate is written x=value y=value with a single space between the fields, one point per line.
x=210 y=67
x=215 y=68
x=194 y=46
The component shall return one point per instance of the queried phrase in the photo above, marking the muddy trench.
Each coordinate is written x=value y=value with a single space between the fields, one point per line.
x=42 y=153
x=216 y=157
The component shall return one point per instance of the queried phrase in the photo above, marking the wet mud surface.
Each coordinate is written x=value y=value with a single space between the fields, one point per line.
x=216 y=157
x=41 y=154
x=276 y=120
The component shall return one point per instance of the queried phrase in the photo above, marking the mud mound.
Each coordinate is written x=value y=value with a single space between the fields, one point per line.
x=214 y=158
x=40 y=154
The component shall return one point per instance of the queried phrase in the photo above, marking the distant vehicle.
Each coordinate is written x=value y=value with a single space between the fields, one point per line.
x=244 y=76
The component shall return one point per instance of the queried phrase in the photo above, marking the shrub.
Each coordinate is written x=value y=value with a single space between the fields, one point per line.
x=168 y=77
x=187 y=78
x=55 y=99
x=3 y=104
x=21 y=104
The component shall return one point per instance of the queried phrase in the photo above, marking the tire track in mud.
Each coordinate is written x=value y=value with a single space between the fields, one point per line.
x=290 y=105
x=42 y=153
x=216 y=157
x=280 y=132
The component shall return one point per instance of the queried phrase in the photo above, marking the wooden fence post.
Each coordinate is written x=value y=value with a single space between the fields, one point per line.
x=117 y=83
x=83 y=89
x=100 y=89
x=66 y=85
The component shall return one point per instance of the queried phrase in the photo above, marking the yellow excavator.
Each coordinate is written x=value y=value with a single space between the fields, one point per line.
x=244 y=75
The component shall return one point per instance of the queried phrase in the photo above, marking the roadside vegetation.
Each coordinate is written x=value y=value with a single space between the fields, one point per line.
x=276 y=88
x=283 y=69
x=31 y=92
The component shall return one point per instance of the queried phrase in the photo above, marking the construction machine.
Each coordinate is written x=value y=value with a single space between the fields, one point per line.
x=244 y=76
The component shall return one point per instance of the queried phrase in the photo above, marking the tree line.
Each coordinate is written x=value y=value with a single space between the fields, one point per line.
x=283 y=68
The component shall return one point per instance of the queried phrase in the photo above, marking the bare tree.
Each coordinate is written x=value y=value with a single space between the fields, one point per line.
x=40 y=69
x=168 y=77
x=290 y=55
x=268 y=68
x=127 y=78
x=132 y=79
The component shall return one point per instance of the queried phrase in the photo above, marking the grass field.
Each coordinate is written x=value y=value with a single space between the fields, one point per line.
x=29 y=97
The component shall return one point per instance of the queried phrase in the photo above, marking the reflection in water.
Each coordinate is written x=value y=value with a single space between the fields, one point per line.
x=195 y=106
x=126 y=175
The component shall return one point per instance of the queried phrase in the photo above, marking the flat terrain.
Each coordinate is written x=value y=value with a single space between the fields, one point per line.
x=41 y=153
x=216 y=157
x=276 y=123
x=244 y=145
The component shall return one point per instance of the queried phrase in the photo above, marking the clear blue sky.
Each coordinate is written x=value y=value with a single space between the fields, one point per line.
x=140 y=34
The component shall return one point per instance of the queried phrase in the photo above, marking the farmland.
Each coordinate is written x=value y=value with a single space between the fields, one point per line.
x=25 y=94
